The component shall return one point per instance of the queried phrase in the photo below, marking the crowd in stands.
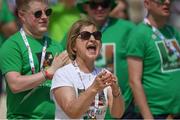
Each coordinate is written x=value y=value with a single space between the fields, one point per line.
x=90 y=59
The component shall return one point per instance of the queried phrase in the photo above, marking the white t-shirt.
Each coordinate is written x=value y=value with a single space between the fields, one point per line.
x=69 y=76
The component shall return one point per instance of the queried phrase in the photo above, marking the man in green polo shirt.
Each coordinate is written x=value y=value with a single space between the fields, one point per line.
x=153 y=53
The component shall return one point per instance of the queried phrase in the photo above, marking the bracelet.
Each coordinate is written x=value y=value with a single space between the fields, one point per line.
x=44 y=75
x=48 y=76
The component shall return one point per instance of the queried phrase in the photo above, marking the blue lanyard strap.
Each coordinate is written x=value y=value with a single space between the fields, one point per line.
x=156 y=31
x=105 y=25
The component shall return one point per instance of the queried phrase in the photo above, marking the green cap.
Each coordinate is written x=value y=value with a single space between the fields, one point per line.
x=79 y=4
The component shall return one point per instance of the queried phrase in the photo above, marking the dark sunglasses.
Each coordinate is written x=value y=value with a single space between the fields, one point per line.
x=39 y=13
x=85 y=35
x=95 y=5
x=161 y=1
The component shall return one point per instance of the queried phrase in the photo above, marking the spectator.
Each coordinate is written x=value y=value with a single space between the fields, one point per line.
x=153 y=56
x=114 y=36
x=87 y=91
x=22 y=63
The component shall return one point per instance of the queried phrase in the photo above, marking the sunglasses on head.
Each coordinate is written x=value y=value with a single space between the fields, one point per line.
x=95 y=5
x=85 y=35
x=38 y=14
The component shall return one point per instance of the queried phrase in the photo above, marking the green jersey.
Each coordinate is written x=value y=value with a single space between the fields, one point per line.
x=114 y=39
x=161 y=66
x=35 y=103
x=112 y=57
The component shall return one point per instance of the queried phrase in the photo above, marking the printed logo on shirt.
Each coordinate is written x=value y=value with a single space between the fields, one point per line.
x=47 y=61
x=106 y=59
x=91 y=114
x=169 y=51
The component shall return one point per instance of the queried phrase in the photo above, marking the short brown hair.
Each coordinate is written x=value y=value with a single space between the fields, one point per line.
x=24 y=4
x=73 y=34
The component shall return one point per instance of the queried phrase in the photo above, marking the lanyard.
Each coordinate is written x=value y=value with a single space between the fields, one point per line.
x=156 y=31
x=96 y=104
x=31 y=61
x=168 y=43
x=105 y=25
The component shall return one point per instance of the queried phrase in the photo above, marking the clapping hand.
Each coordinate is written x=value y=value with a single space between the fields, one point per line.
x=59 y=61
x=104 y=79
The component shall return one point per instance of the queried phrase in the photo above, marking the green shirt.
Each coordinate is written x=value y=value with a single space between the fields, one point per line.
x=116 y=34
x=114 y=38
x=161 y=70
x=5 y=16
x=61 y=20
x=36 y=103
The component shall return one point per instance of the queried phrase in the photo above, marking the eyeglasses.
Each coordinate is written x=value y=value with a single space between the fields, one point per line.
x=39 y=13
x=95 y=5
x=161 y=1
x=85 y=35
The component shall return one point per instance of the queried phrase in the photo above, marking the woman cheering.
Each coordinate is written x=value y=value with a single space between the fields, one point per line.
x=80 y=90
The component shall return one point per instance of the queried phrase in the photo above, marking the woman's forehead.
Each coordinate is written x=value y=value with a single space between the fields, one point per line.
x=90 y=27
